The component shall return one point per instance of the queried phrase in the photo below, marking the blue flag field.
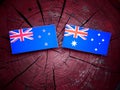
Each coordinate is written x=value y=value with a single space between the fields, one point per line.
x=86 y=39
x=32 y=39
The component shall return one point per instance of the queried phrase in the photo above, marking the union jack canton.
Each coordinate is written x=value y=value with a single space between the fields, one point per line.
x=21 y=35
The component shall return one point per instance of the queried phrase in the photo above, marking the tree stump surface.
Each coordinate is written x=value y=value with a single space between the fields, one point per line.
x=59 y=69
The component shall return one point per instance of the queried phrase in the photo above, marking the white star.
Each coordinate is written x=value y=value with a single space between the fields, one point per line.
x=44 y=30
x=99 y=43
x=103 y=40
x=74 y=43
x=99 y=34
x=46 y=44
x=39 y=36
x=49 y=33
x=96 y=49
x=92 y=39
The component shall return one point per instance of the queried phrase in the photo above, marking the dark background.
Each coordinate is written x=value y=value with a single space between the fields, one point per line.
x=60 y=69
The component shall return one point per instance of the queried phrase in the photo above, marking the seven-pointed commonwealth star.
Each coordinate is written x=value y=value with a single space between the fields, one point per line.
x=74 y=43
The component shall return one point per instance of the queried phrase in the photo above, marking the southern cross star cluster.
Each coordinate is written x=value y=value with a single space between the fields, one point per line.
x=47 y=35
x=74 y=43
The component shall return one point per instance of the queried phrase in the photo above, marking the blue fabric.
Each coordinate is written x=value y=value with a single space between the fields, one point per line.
x=86 y=39
x=32 y=39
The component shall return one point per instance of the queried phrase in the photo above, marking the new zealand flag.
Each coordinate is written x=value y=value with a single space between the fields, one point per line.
x=86 y=39
x=32 y=39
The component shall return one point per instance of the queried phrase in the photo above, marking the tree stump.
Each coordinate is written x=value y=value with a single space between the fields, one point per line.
x=59 y=69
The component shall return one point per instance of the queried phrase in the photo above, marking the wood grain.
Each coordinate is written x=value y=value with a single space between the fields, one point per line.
x=59 y=69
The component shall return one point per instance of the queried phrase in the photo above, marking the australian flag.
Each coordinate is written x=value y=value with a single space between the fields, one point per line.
x=86 y=39
x=32 y=39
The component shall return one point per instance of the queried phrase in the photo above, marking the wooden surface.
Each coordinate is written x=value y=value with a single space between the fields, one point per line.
x=59 y=69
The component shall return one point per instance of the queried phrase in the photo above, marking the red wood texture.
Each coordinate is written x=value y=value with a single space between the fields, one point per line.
x=60 y=69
